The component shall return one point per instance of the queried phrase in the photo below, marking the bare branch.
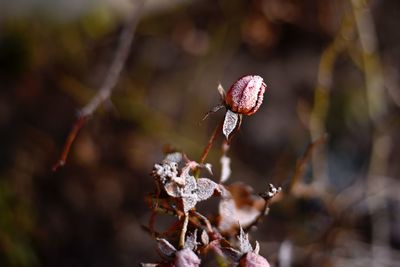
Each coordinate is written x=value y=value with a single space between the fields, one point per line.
x=104 y=93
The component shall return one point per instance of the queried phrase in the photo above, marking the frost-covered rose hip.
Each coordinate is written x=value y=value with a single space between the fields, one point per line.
x=246 y=95
x=243 y=97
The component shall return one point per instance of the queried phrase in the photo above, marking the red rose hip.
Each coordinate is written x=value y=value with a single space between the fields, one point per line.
x=246 y=95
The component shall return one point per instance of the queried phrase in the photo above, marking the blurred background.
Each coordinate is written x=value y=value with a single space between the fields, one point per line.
x=331 y=66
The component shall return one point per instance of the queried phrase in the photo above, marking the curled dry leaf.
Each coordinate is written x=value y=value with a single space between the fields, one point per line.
x=233 y=255
x=225 y=168
x=244 y=243
x=221 y=92
x=165 y=248
x=191 y=241
x=239 y=206
x=204 y=237
x=257 y=248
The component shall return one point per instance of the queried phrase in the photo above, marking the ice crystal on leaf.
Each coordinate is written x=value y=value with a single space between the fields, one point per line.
x=182 y=184
x=230 y=123
x=191 y=241
x=244 y=243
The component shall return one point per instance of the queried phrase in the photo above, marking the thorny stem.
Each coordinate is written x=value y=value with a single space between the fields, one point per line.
x=108 y=85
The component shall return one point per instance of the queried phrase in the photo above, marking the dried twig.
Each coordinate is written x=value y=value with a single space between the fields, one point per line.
x=381 y=144
x=302 y=162
x=108 y=85
x=322 y=96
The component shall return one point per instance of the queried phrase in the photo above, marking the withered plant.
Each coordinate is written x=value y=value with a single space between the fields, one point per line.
x=180 y=186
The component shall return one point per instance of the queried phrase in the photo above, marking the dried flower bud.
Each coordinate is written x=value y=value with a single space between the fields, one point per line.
x=252 y=259
x=246 y=95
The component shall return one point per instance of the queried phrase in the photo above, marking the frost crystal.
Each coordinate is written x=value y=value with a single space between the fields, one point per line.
x=191 y=241
x=246 y=95
x=230 y=122
x=244 y=244
x=183 y=185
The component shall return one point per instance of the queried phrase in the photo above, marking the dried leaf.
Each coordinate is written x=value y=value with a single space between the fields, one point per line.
x=204 y=237
x=173 y=157
x=189 y=203
x=191 y=241
x=165 y=172
x=239 y=205
x=244 y=244
x=205 y=188
x=271 y=192
x=285 y=254
x=257 y=248
x=221 y=92
x=228 y=215
x=184 y=186
x=225 y=168
x=208 y=167
x=186 y=258
x=165 y=248
x=252 y=259
x=232 y=254
x=230 y=123
x=213 y=110
x=190 y=185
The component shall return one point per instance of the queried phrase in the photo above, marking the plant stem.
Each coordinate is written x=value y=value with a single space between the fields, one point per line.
x=106 y=89
x=210 y=143
x=183 y=232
